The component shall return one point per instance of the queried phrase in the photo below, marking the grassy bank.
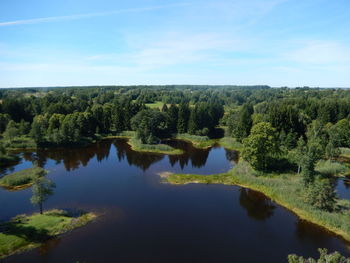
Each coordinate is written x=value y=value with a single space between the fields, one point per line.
x=26 y=232
x=136 y=145
x=20 y=142
x=230 y=144
x=22 y=179
x=284 y=189
x=332 y=168
x=197 y=141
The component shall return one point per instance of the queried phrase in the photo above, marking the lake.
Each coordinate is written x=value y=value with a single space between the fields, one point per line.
x=144 y=220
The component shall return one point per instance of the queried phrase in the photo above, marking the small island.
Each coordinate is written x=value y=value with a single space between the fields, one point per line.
x=24 y=232
x=22 y=179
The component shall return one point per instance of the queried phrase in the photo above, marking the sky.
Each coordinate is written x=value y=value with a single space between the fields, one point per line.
x=113 y=42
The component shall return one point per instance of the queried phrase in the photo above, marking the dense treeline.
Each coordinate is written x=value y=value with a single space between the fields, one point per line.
x=280 y=128
x=65 y=116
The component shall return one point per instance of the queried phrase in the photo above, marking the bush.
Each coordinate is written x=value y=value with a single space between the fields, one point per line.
x=321 y=194
x=335 y=257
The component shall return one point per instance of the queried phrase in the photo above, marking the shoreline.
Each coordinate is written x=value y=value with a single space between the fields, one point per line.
x=267 y=186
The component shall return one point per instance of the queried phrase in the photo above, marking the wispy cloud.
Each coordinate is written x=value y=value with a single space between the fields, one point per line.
x=321 y=52
x=89 y=15
x=172 y=48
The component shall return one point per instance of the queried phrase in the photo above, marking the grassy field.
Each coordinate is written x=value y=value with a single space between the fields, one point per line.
x=26 y=232
x=22 y=179
x=285 y=189
x=136 y=145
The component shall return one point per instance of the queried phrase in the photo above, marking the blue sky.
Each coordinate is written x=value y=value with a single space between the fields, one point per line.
x=105 y=42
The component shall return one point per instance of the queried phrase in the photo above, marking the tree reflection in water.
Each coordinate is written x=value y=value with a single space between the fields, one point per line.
x=258 y=206
x=73 y=158
x=232 y=156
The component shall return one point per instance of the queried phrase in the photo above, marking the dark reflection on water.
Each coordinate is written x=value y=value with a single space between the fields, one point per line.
x=258 y=206
x=143 y=220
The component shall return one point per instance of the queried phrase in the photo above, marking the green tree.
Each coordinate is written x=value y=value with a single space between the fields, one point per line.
x=172 y=116
x=260 y=146
x=339 y=133
x=42 y=190
x=164 y=108
x=184 y=114
x=297 y=155
x=313 y=153
x=331 y=150
x=11 y=131
x=4 y=119
x=39 y=128
x=321 y=195
x=117 y=118
x=334 y=257
x=150 y=125
x=23 y=127
x=242 y=122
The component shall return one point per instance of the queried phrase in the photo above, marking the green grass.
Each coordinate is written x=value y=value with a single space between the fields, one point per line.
x=22 y=179
x=25 y=232
x=285 y=189
x=20 y=142
x=331 y=168
x=230 y=144
x=344 y=152
x=197 y=141
x=136 y=145
x=125 y=134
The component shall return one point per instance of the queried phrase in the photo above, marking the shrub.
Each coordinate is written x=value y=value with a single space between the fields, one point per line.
x=321 y=194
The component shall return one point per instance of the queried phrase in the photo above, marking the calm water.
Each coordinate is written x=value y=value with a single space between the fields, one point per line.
x=143 y=220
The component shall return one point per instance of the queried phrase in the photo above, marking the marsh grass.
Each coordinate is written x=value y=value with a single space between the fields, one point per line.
x=230 y=143
x=331 y=168
x=20 y=142
x=136 y=145
x=344 y=152
x=197 y=141
x=24 y=232
x=22 y=179
x=285 y=189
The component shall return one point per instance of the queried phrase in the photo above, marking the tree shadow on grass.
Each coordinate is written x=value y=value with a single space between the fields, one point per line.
x=29 y=233
x=281 y=165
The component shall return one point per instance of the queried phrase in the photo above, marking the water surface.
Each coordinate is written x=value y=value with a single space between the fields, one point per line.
x=144 y=220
